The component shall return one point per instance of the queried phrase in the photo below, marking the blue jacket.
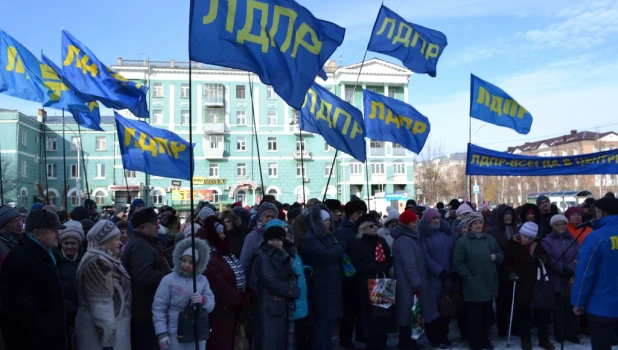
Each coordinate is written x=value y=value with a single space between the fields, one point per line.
x=596 y=280
x=437 y=245
x=302 y=306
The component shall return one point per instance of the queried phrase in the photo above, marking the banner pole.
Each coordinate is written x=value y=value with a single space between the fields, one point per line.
x=302 y=164
x=332 y=166
x=79 y=130
x=468 y=188
x=191 y=164
x=257 y=144
x=45 y=160
x=65 y=189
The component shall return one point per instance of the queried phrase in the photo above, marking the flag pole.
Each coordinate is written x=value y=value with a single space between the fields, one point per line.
x=65 y=191
x=257 y=144
x=45 y=159
x=468 y=178
x=2 y=178
x=330 y=175
x=191 y=164
x=79 y=131
x=302 y=164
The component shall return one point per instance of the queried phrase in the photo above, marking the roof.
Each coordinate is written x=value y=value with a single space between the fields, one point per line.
x=8 y=110
x=105 y=119
x=574 y=136
x=449 y=157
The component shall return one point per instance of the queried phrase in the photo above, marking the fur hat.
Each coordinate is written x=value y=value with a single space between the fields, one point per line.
x=274 y=232
x=74 y=230
x=293 y=213
x=202 y=252
x=454 y=204
x=333 y=204
x=352 y=207
x=529 y=229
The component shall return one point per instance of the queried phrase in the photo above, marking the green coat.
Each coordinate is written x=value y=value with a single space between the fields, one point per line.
x=472 y=261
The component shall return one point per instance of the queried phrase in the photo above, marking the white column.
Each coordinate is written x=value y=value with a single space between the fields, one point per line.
x=385 y=89
x=405 y=93
x=171 y=114
x=343 y=91
x=199 y=106
x=256 y=106
x=286 y=118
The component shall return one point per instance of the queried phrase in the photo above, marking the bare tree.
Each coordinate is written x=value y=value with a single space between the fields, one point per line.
x=9 y=179
x=431 y=179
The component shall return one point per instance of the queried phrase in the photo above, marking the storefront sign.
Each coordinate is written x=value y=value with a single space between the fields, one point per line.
x=198 y=195
x=204 y=181
x=124 y=188
x=176 y=183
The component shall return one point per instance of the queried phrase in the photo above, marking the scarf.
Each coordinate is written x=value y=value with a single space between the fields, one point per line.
x=380 y=257
x=66 y=257
x=239 y=273
x=42 y=246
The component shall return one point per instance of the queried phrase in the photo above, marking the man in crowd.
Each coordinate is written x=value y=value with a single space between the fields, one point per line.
x=146 y=264
x=11 y=229
x=595 y=290
x=546 y=213
x=32 y=297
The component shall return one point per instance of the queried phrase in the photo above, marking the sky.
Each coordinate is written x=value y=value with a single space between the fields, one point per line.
x=557 y=58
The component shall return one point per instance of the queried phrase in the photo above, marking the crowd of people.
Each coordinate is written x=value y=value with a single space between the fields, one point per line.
x=280 y=276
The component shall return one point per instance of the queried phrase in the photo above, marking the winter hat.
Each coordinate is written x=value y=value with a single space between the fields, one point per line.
x=187 y=231
x=274 y=232
x=440 y=206
x=365 y=218
x=237 y=204
x=393 y=215
x=462 y=225
x=87 y=224
x=411 y=203
x=122 y=225
x=324 y=215
x=558 y=218
x=472 y=217
x=430 y=214
x=205 y=212
x=187 y=252
x=540 y=199
x=143 y=216
x=407 y=217
x=293 y=213
x=7 y=214
x=266 y=207
x=529 y=229
x=454 y=204
x=352 y=207
x=73 y=229
x=102 y=231
x=608 y=205
x=574 y=210
x=333 y=204
x=80 y=213
x=312 y=202
x=463 y=209
x=136 y=202
x=36 y=206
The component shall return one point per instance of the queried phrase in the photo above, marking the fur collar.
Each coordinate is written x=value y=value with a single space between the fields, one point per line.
x=202 y=249
x=281 y=256
x=316 y=220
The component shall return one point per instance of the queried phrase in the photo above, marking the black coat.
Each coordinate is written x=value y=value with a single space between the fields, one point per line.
x=518 y=260
x=374 y=320
x=67 y=270
x=33 y=301
x=142 y=260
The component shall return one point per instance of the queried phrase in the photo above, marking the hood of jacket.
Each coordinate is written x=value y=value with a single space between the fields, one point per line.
x=281 y=256
x=426 y=230
x=315 y=220
x=403 y=230
x=245 y=217
x=524 y=209
x=499 y=218
x=201 y=248
x=393 y=214
x=209 y=233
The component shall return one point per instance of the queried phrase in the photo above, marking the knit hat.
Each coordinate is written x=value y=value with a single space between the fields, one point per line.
x=393 y=215
x=558 y=218
x=324 y=215
x=333 y=204
x=608 y=205
x=293 y=213
x=205 y=212
x=312 y=202
x=408 y=216
x=136 y=202
x=472 y=217
x=463 y=209
x=430 y=214
x=143 y=216
x=352 y=207
x=7 y=214
x=411 y=203
x=574 y=210
x=102 y=232
x=266 y=207
x=187 y=252
x=274 y=232
x=73 y=230
x=36 y=206
x=187 y=231
x=237 y=204
x=540 y=199
x=529 y=229
x=80 y=213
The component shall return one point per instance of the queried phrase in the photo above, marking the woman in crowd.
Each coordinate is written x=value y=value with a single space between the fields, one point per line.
x=234 y=230
x=175 y=292
x=123 y=226
x=475 y=258
x=529 y=212
x=522 y=254
x=575 y=215
x=412 y=278
x=561 y=265
x=228 y=284
x=438 y=242
x=372 y=259
x=461 y=213
x=104 y=315
x=389 y=223
x=277 y=290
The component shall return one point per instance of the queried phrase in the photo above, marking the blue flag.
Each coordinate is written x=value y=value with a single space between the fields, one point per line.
x=419 y=48
x=279 y=40
x=152 y=150
x=388 y=119
x=340 y=123
x=23 y=76
x=493 y=105
x=88 y=114
x=84 y=73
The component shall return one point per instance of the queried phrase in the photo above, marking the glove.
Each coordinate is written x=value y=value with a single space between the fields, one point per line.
x=443 y=275
x=164 y=343
x=197 y=298
x=513 y=277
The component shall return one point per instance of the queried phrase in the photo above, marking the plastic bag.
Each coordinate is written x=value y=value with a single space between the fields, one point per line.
x=418 y=326
x=382 y=292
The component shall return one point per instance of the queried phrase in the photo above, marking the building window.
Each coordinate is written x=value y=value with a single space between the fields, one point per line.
x=349 y=95
x=74 y=171
x=399 y=168
x=213 y=94
x=157 y=197
x=215 y=142
x=101 y=143
x=241 y=118
x=36 y=159
x=301 y=170
x=36 y=139
x=327 y=168
x=241 y=169
x=24 y=138
x=241 y=144
x=377 y=148
x=184 y=117
x=300 y=145
x=214 y=115
x=130 y=174
x=24 y=168
x=272 y=144
x=240 y=92
x=377 y=169
x=392 y=93
x=274 y=193
x=213 y=170
x=157 y=117
x=74 y=143
x=327 y=147
x=99 y=197
x=272 y=118
x=52 y=144
x=356 y=168
x=24 y=198
x=273 y=170
x=51 y=198
x=270 y=93
x=398 y=150
x=184 y=90
x=216 y=196
x=295 y=117
x=51 y=171
x=157 y=90
x=101 y=171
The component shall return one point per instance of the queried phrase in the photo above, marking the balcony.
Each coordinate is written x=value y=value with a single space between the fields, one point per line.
x=305 y=155
x=374 y=151
x=214 y=121
x=399 y=151
x=213 y=153
x=214 y=95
